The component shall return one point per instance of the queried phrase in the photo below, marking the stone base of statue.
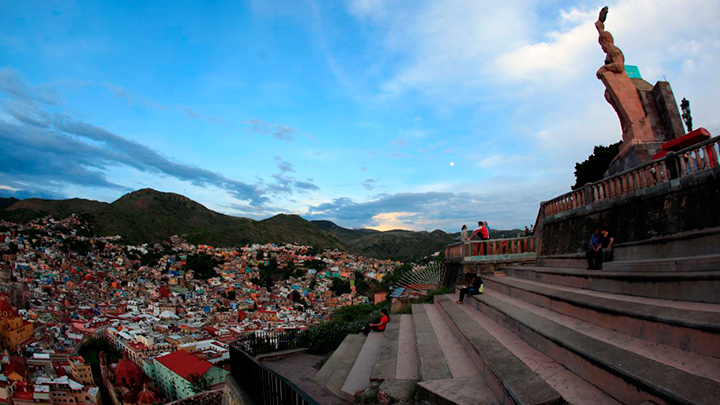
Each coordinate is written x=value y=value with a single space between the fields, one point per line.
x=648 y=115
x=633 y=156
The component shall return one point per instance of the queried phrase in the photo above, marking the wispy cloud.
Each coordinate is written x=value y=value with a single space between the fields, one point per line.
x=280 y=132
x=51 y=149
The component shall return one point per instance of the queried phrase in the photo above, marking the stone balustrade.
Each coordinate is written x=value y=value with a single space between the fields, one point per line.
x=674 y=165
x=491 y=247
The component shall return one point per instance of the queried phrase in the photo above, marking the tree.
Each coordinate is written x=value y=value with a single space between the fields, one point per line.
x=202 y=265
x=594 y=167
x=231 y=295
x=198 y=382
x=340 y=287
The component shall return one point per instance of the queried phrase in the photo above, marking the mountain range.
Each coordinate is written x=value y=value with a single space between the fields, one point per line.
x=148 y=215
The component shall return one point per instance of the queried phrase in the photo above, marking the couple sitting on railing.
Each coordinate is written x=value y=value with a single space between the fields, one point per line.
x=482 y=233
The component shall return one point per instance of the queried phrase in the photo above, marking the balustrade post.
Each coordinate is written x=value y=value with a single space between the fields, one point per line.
x=671 y=163
x=711 y=154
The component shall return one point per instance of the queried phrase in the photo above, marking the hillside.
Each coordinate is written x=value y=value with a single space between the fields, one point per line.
x=31 y=208
x=397 y=244
x=149 y=216
x=281 y=228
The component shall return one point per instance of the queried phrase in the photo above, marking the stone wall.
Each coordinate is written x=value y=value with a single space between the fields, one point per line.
x=681 y=205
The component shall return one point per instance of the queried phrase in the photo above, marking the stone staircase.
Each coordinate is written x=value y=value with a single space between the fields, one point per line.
x=545 y=335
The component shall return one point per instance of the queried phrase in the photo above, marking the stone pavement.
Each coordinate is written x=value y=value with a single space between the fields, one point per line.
x=299 y=369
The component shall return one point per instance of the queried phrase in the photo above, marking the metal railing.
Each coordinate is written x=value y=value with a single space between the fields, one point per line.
x=262 y=342
x=491 y=247
x=264 y=386
x=674 y=165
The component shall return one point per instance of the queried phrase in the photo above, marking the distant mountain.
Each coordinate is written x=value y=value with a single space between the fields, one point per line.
x=397 y=244
x=149 y=216
x=7 y=202
x=31 y=208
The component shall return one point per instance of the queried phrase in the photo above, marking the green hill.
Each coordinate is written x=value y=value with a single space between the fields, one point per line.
x=397 y=244
x=149 y=216
x=31 y=208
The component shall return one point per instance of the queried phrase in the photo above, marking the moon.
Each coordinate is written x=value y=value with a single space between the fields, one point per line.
x=452 y=163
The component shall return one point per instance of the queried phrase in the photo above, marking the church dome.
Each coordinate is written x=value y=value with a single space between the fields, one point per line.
x=127 y=373
x=129 y=398
x=147 y=397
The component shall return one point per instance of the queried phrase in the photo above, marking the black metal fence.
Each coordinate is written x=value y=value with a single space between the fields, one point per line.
x=263 y=385
x=270 y=342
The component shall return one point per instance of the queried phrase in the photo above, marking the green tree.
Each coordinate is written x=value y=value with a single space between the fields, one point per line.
x=198 y=382
x=339 y=286
x=203 y=265
x=594 y=167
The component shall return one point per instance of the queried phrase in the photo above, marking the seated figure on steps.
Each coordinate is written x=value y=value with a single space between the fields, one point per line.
x=474 y=287
x=379 y=324
x=594 y=253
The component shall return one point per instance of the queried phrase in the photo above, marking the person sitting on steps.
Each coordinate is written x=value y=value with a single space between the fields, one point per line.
x=379 y=325
x=607 y=240
x=474 y=287
x=594 y=254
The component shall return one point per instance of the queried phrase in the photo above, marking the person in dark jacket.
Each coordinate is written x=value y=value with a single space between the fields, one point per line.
x=473 y=288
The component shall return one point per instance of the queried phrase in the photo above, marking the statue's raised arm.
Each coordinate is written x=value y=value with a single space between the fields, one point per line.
x=614 y=59
x=600 y=23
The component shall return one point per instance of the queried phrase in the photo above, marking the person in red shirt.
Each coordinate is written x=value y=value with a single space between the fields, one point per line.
x=377 y=326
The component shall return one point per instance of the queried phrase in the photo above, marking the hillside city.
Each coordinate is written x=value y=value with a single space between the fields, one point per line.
x=167 y=310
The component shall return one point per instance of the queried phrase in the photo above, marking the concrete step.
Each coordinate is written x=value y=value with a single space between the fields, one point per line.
x=692 y=243
x=327 y=370
x=346 y=357
x=408 y=364
x=566 y=261
x=508 y=378
x=692 y=263
x=572 y=388
x=432 y=361
x=683 y=286
x=693 y=363
x=387 y=356
x=627 y=376
x=689 y=330
x=359 y=377
x=463 y=391
x=459 y=363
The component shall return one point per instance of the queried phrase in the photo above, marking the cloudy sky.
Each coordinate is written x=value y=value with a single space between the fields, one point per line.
x=370 y=113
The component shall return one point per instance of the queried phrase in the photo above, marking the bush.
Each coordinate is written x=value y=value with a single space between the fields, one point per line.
x=327 y=336
x=430 y=298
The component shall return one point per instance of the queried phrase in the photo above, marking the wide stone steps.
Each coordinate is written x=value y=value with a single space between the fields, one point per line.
x=702 y=286
x=569 y=386
x=626 y=376
x=690 y=330
x=545 y=336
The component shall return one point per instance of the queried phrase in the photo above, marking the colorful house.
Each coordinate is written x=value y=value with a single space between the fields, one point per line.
x=173 y=372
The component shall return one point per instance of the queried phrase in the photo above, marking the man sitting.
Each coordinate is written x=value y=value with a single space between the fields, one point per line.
x=378 y=325
x=594 y=254
x=474 y=287
x=607 y=240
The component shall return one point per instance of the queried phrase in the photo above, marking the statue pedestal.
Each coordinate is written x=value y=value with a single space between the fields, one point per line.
x=648 y=116
x=623 y=96
x=632 y=156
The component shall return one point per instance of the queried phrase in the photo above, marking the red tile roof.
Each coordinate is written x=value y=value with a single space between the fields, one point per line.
x=184 y=363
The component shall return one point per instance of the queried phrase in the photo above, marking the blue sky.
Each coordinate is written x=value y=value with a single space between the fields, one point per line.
x=388 y=114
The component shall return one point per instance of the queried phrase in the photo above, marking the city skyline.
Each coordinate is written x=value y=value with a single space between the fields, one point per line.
x=374 y=114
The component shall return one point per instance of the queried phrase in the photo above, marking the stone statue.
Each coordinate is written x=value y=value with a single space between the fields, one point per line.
x=620 y=91
x=685 y=107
